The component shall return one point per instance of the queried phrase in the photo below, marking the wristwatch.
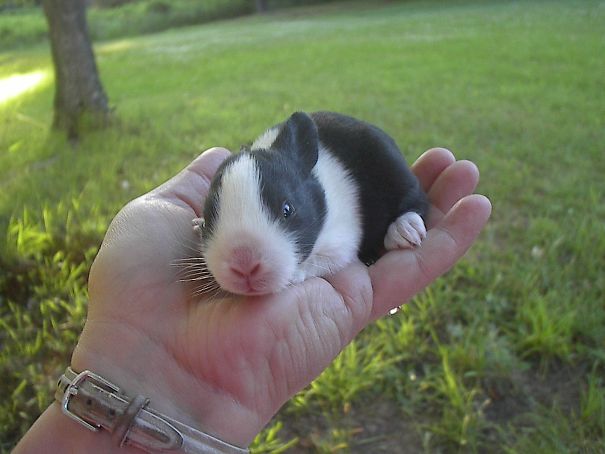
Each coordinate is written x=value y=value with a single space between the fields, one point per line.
x=99 y=405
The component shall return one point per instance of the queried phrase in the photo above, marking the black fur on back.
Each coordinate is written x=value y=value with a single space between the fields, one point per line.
x=387 y=186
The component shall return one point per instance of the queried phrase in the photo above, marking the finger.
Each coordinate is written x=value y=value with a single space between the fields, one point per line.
x=456 y=181
x=191 y=185
x=399 y=275
x=430 y=165
x=354 y=286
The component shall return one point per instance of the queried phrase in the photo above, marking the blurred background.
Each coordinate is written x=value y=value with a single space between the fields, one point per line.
x=102 y=100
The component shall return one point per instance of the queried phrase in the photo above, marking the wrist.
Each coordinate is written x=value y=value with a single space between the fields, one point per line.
x=171 y=390
x=54 y=432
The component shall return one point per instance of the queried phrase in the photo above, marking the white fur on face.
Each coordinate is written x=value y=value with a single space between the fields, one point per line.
x=338 y=242
x=243 y=221
x=266 y=139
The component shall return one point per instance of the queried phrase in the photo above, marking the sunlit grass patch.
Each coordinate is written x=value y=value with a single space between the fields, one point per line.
x=17 y=84
x=43 y=271
x=357 y=369
x=269 y=442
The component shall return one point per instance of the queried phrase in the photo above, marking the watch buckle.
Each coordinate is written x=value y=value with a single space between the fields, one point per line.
x=72 y=390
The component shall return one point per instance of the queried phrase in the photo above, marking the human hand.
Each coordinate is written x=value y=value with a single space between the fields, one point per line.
x=226 y=366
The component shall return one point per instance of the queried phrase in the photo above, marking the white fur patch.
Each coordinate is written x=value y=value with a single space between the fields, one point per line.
x=243 y=221
x=265 y=140
x=338 y=242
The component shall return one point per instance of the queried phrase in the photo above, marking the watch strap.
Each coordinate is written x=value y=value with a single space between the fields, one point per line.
x=98 y=404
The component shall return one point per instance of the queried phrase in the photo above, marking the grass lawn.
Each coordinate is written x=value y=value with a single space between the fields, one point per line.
x=504 y=354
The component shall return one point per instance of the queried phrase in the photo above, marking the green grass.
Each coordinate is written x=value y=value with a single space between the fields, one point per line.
x=26 y=26
x=504 y=354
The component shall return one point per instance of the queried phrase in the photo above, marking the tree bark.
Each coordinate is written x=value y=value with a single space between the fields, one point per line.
x=79 y=96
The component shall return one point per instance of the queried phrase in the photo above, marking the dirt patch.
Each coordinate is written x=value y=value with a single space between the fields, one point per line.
x=527 y=392
x=377 y=426
x=387 y=430
x=530 y=389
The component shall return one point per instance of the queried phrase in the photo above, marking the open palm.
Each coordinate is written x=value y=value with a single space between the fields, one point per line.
x=227 y=365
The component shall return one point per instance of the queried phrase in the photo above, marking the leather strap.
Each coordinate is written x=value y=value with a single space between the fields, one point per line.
x=98 y=404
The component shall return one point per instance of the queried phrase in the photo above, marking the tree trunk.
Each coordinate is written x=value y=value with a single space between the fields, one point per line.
x=79 y=96
x=261 y=6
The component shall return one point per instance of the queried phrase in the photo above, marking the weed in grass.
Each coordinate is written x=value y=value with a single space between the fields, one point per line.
x=592 y=406
x=543 y=331
x=356 y=369
x=333 y=441
x=461 y=417
x=268 y=441
x=399 y=335
x=485 y=357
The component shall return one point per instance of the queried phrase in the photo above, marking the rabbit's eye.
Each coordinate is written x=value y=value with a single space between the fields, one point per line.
x=287 y=210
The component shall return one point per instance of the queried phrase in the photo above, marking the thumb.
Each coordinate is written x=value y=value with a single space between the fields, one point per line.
x=190 y=186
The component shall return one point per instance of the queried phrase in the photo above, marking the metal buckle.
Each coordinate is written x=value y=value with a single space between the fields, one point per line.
x=72 y=390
